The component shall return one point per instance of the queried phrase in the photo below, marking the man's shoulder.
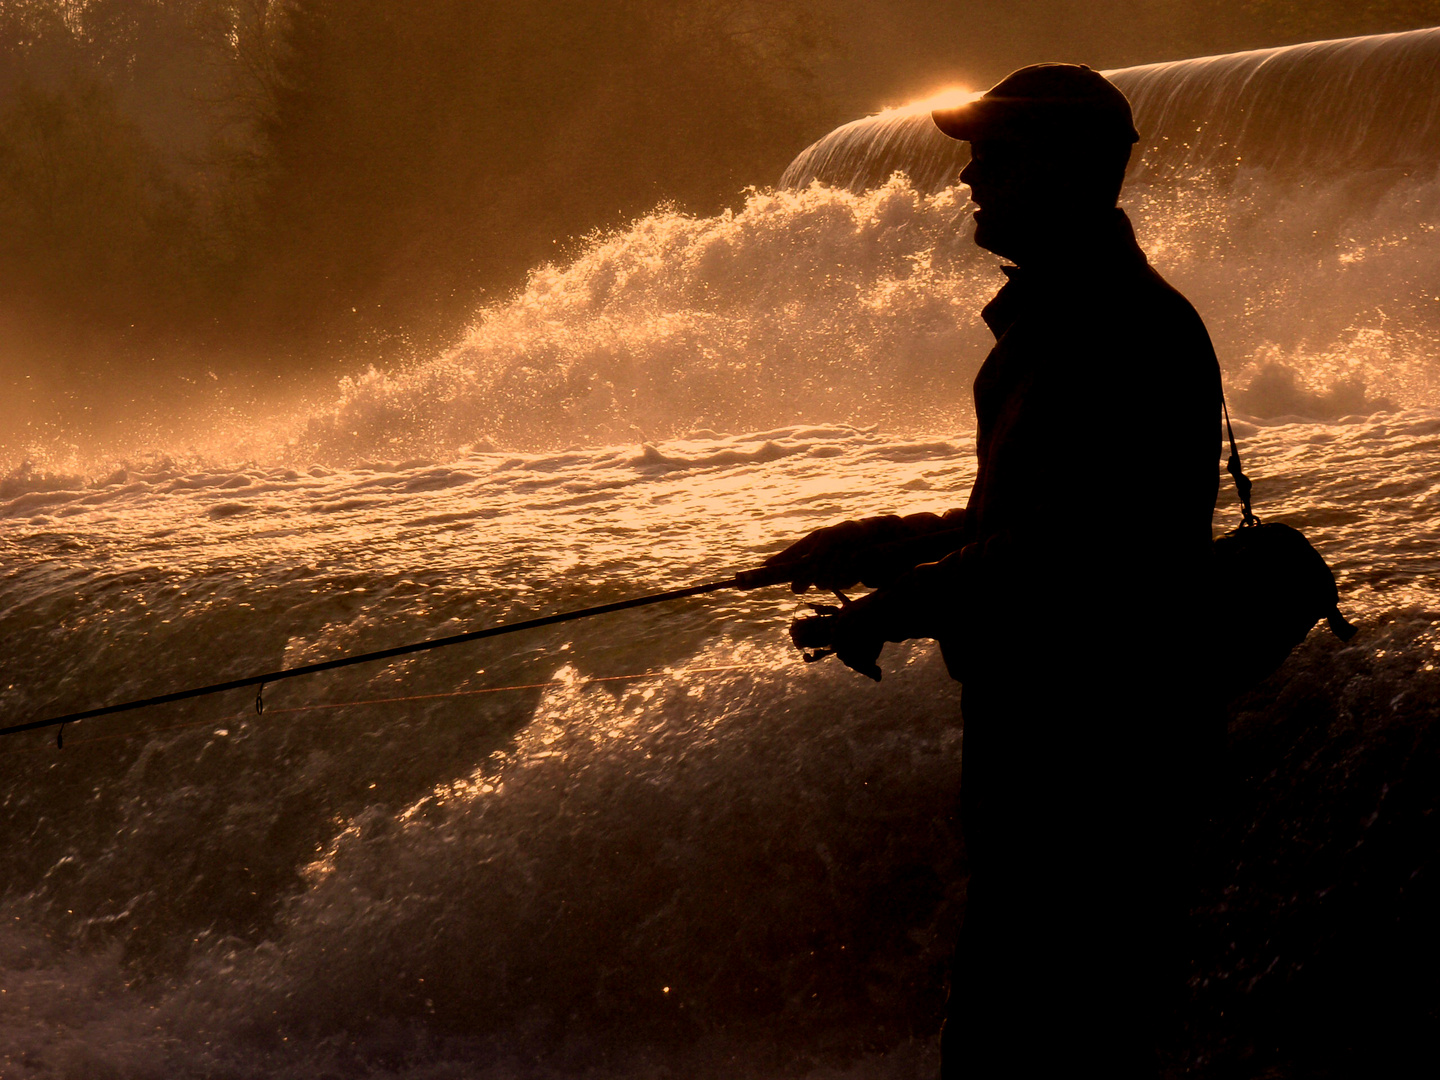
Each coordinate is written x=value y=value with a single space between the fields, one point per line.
x=1168 y=301
x=1124 y=335
x=1141 y=307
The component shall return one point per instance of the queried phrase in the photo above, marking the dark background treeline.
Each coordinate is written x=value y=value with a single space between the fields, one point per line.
x=232 y=190
x=225 y=188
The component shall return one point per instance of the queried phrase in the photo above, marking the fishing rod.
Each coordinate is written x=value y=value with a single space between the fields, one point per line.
x=745 y=579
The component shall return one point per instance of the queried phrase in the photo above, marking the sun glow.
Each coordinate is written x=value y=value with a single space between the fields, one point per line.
x=949 y=98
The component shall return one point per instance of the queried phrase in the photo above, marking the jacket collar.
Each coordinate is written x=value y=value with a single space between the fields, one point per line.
x=1111 y=249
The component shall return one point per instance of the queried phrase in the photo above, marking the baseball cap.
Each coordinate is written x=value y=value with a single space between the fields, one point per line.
x=1044 y=102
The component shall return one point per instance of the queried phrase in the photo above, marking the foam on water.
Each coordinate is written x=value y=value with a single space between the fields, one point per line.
x=244 y=868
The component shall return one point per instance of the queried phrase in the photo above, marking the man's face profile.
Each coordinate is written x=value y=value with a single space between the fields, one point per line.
x=1030 y=195
x=996 y=185
x=1013 y=188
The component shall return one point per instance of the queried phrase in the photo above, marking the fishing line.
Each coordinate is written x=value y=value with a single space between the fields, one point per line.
x=581 y=684
x=743 y=580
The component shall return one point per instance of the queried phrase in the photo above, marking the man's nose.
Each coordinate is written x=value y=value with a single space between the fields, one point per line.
x=973 y=174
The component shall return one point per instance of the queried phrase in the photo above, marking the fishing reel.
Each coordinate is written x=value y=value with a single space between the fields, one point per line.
x=823 y=634
x=818 y=631
x=815 y=632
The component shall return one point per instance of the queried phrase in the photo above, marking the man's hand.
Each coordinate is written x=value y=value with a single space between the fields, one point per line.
x=928 y=602
x=829 y=557
x=845 y=555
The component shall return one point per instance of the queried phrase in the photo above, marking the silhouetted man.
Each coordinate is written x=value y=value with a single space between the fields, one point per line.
x=1075 y=605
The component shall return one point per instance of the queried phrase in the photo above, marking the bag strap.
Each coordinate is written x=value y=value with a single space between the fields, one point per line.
x=1232 y=466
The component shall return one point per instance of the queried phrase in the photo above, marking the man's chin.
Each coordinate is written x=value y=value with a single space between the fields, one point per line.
x=989 y=233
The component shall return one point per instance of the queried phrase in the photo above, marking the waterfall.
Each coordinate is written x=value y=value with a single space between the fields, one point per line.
x=1360 y=104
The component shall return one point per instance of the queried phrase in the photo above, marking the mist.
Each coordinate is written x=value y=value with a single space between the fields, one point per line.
x=214 y=191
x=233 y=200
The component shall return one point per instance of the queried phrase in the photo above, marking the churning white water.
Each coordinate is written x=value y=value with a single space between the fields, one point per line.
x=658 y=843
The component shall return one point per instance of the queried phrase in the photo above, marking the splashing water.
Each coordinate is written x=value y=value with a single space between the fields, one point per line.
x=820 y=304
x=864 y=309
